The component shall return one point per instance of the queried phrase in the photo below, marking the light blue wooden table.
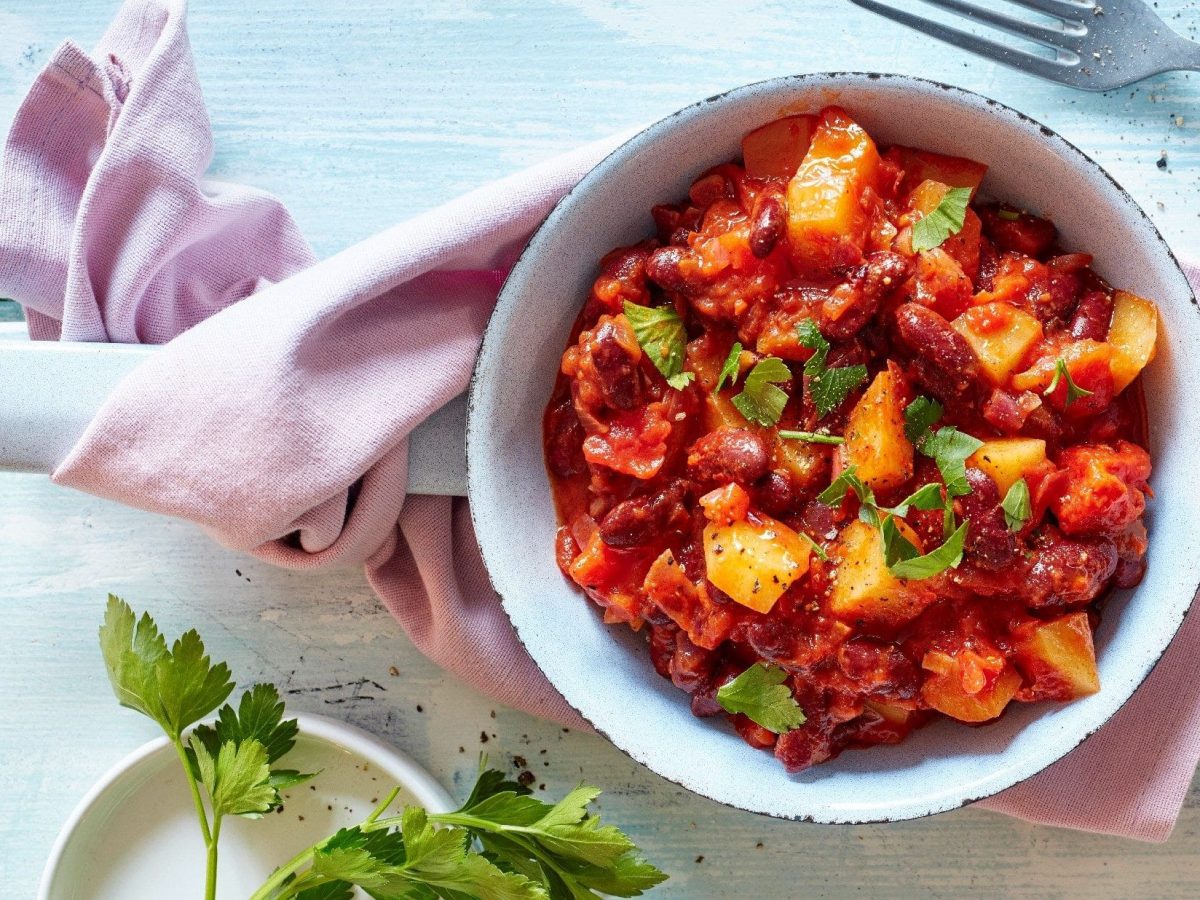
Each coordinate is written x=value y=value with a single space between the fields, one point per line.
x=361 y=113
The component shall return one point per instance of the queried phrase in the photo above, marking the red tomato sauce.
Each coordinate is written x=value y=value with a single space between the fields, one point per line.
x=700 y=525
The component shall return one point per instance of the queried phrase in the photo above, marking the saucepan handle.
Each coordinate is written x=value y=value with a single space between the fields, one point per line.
x=53 y=390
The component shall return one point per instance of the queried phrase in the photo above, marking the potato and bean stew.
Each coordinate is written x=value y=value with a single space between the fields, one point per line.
x=852 y=446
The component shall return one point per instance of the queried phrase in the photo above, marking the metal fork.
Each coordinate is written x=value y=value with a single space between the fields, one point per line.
x=1097 y=46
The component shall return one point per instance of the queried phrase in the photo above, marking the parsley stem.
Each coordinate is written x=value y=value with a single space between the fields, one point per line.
x=304 y=857
x=284 y=872
x=378 y=811
x=812 y=437
x=195 y=789
x=210 y=871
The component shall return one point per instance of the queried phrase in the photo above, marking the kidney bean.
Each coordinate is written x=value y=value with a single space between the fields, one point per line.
x=943 y=361
x=768 y=221
x=704 y=701
x=1025 y=234
x=989 y=263
x=636 y=521
x=1129 y=572
x=1067 y=572
x=989 y=541
x=627 y=263
x=753 y=733
x=1092 y=316
x=666 y=219
x=665 y=268
x=691 y=666
x=564 y=439
x=879 y=669
x=711 y=187
x=662 y=647
x=856 y=300
x=729 y=454
x=776 y=495
x=616 y=367
x=1007 y=412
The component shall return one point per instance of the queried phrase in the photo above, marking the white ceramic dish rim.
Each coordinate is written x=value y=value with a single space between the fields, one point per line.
x=398 y=765
x=476 y=458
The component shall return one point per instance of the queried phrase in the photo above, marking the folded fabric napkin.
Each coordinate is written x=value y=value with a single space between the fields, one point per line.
x=277 y=415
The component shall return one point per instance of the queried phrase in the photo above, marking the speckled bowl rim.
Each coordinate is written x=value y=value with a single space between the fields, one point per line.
x=618 y=155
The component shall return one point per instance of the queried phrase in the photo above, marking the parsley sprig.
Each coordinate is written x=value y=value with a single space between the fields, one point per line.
x=828 y=387
x=760 y=694
x=903 y=559
x=946 y=219
x=1074 y=391
x=948 y=447
x=500 y=845
x=178 y=686
x=529 y=850
x=662 y=336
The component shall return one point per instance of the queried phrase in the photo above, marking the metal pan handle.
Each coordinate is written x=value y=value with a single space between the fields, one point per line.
x=53 y=390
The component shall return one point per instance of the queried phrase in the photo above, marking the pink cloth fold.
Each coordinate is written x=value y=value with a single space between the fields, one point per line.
x=288 y=382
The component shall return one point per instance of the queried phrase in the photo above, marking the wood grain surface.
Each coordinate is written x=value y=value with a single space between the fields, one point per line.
x=362 y=113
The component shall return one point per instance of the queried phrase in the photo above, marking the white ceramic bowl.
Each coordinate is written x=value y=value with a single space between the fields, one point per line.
x=605 y=673
x=134 y=836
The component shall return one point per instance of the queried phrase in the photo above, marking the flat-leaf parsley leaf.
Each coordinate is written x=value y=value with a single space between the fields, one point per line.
x=847 y=480
x=175 y=687
x=761 y=401
x=949 y=448
x=920 y=416
x=662 y=337
x=729 y=369
x=1016 y=505
x=904 y=561
x=827 y=387
x=931 y=230
x=760 y=694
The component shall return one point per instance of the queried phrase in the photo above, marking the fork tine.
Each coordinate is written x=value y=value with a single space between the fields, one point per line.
x=1018 y=59
x=1063 y=9
x=1042 y=34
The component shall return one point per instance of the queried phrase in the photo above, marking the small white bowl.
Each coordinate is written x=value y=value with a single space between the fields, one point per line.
x=135 y=836
x=605 y=673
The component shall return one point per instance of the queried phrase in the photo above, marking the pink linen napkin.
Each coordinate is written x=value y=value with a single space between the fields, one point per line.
x=286 y=382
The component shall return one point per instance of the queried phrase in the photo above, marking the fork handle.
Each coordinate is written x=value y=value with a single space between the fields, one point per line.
x=1181 y=54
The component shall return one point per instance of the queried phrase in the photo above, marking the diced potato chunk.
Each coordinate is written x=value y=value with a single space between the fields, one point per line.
x=925 y=165
x=896 y=715
x=968 y=686
x=705 y=357
x=719 y=412
x=827 y=224
x=807 y=464
x=865 y=590
x=1008 y=459
x=1133 y=334
x=754 y=562
x=1059 y=658
x=1084 y=359
x=875 y=439
x=775 y=150
x=1001 y=336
